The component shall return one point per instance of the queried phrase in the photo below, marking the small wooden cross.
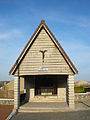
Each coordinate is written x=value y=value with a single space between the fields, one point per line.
x=43 y=54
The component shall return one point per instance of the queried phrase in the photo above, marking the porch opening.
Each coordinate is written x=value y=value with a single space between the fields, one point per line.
x=46 y=88
x=45 y=85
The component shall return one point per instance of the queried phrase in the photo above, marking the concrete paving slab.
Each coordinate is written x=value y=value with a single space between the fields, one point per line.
x=76 y=115
x=45 y=105
x=86 y=102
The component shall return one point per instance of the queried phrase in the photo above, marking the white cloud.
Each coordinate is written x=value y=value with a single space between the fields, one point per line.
x=78 y=46
x=63 y=17
x=10 y=34
x=79 y=52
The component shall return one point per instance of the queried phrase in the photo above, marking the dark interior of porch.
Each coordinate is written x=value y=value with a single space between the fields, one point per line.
x=45 y=85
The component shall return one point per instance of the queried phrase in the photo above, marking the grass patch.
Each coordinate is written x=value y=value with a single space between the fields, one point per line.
x=79 y=89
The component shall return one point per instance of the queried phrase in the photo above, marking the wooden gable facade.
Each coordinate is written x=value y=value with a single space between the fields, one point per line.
x=56 y=60
x=45 y=68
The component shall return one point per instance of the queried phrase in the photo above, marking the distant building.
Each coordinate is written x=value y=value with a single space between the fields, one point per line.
x=2 y=83
x=7 y=89
x=10 y=85
x=45 y=68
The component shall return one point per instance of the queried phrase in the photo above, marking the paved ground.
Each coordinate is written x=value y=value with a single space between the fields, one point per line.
x=45 y=105
x=78 y=105
x=5 y=110
x=82 y=114
x=78 y=115
x=86 y=102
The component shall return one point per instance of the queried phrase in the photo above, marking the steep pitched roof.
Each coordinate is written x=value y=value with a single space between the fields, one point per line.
x=42 y=24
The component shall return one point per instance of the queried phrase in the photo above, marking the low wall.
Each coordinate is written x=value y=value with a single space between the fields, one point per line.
x=6 y=101
x=80 y=96
x=7 y=94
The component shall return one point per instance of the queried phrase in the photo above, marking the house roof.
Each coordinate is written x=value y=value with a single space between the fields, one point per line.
x=42 y=24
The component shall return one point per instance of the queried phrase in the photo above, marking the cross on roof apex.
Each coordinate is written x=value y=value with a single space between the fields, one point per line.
x=42 y=21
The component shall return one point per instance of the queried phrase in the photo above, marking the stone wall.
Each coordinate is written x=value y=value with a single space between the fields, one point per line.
x=61 y=89
x=29 y=87
x=81 y=96
x=70 y=83
x=6 y=101
x=7 y=94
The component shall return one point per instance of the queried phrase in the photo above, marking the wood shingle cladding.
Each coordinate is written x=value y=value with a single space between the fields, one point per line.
x=31 y=60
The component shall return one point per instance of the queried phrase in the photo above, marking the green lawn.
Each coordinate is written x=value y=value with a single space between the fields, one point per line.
x=79 y=89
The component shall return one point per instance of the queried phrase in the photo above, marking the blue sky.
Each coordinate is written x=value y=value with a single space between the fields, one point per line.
x=69 y=20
